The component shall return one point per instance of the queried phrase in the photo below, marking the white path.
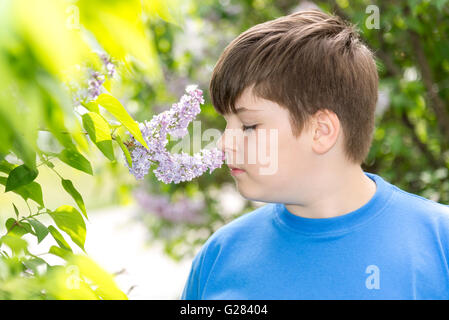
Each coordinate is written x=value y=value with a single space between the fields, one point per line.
x=116 y=242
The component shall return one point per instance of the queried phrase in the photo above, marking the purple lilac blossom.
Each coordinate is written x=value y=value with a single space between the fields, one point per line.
x=183 y=210
x=107 y=61
x=173 y=167
x=94 y=81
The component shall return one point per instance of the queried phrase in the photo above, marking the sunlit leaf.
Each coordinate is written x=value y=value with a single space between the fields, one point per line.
x=14 y=242
x=99 y=132
x=118 y=26
x=20 y=176
x=76 y=160
x=107 y=289
x=91 y=106
x=53 y=30
x=168 y=10
x=114 y=106
x=69 y=220
x=31 y=191
x=59 y=238
x=61 y=252
x=80 y=137
x=125 y=150
x=70 y=188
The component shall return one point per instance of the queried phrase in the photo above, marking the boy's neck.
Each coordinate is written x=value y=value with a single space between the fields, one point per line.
x=347 y=193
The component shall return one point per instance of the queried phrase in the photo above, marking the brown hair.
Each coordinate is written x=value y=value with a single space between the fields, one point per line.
x=305 y=61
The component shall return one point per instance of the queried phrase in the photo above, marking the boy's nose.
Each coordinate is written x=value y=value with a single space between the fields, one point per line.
x=226 y=142
x=229 y=143
x=221 y=145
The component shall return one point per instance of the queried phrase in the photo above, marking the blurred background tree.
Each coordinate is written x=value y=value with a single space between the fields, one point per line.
x=411 y=139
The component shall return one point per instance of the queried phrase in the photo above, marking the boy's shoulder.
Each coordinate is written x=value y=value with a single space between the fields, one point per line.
x=420 y=213
x=421 y=206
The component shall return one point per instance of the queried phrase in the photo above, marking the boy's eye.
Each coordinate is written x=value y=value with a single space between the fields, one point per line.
x=245 y=128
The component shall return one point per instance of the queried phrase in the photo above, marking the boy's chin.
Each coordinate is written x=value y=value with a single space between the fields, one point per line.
x=251 y=193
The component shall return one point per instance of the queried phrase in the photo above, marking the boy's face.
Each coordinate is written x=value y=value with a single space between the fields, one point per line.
x=278 y=167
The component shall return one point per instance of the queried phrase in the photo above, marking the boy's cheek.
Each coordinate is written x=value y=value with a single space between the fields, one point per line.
x=262 y=188
x=261 y=154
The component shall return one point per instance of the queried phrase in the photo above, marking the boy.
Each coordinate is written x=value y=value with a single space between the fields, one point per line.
x=329 y=230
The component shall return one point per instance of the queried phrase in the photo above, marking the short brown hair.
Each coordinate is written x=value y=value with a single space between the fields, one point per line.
x=305 y=61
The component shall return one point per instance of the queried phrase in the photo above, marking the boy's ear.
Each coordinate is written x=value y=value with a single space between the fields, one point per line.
x=325 y=130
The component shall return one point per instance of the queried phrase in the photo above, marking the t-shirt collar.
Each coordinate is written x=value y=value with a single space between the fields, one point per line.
x=343 y=223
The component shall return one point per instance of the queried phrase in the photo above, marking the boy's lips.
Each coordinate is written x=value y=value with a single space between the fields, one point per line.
x=236 y=170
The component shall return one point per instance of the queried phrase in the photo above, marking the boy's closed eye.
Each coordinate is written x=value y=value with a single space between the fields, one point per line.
x=249 y=128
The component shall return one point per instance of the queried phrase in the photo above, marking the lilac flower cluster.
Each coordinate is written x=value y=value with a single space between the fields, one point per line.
x=183 y=210
x=173 y=167
x=95 y=81
x=108 y=64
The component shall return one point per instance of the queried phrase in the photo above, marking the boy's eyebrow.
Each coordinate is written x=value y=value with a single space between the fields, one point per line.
x=243 y=109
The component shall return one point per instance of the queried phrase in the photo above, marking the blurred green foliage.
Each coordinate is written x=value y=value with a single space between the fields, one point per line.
x=48 y=50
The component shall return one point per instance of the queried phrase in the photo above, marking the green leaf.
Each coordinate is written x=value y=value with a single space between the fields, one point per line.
x=40 y=230
x=69 y=220
x=49 y=164
x=91 y=106
x=125 y=150
x=59 y=238
x=114 y=106
x=99 y=132
x=31 y=191
x=168 y=10
x=16 y=211
x=76 y=160
x=13 y=227
x=119 y=29
x=34 y=263
x=60 y=252
x=104 y=282
x=20 y=176
x=14 y=242
x=68 y=186
x=6 y=167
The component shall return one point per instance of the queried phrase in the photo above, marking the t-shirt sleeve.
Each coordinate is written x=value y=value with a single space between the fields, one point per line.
x=192 y=288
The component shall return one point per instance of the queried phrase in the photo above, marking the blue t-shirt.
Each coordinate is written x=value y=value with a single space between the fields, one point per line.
x=396 y=246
